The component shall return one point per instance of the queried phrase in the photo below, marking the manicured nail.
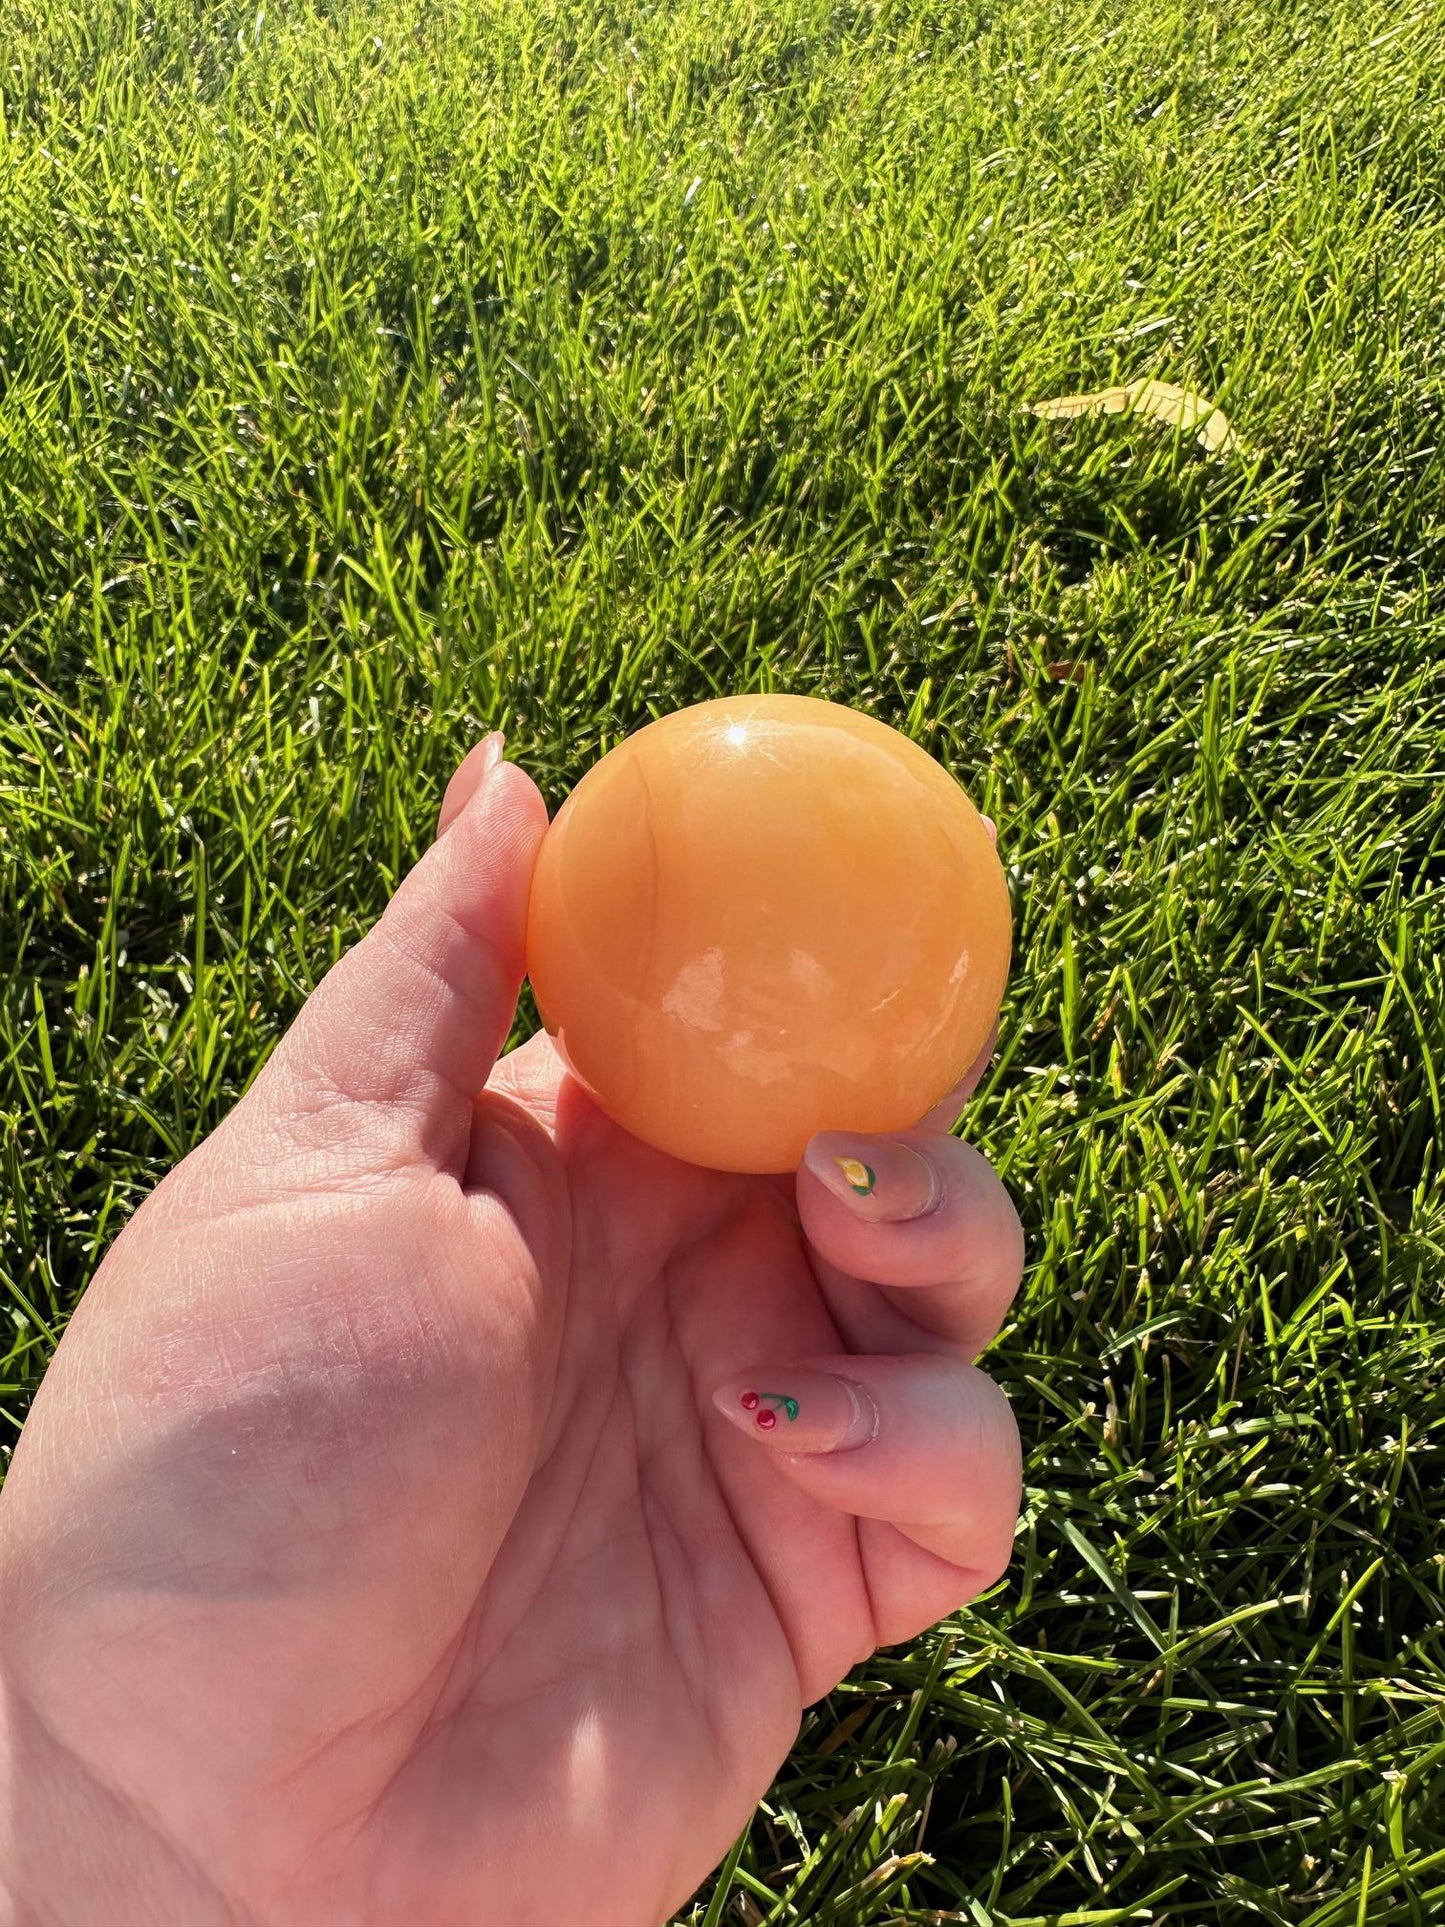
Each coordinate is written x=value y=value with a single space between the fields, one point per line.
x=488 y=752
x=877 y=1177
x=800 y=1409
x=471 y=773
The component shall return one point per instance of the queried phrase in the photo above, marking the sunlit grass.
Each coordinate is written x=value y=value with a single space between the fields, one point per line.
x=371 y=374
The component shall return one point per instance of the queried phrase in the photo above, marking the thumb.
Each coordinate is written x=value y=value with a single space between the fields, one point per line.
x=411 y=1021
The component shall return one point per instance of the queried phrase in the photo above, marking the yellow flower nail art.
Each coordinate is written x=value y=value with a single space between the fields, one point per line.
x=860 y=1176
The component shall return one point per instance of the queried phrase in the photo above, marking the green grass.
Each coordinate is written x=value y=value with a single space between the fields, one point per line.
x=374 y=373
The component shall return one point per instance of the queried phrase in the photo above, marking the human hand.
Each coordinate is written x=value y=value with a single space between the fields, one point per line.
x=395 y=1535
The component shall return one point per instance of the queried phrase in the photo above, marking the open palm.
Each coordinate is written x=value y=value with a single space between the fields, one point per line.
x=395 y=1535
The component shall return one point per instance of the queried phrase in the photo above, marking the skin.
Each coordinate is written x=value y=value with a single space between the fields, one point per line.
x=389 y=1540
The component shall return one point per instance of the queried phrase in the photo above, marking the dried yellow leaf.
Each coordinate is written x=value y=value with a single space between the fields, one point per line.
x=1162 y=401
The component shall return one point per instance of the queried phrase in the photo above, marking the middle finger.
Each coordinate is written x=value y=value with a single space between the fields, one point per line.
x=923 y=1216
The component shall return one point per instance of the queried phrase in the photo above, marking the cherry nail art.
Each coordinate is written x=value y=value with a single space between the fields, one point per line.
x=767 y=1405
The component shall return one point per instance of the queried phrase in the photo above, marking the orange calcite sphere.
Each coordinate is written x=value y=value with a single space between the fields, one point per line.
x=765 y=917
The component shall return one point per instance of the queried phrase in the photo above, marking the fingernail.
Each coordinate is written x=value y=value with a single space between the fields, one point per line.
x=471 y=775
x=800 y=1409
x=878 y=1178
x=489 y=752
x=992 y=828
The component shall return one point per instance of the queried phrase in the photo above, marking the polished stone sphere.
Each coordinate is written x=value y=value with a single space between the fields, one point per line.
x=764 y=917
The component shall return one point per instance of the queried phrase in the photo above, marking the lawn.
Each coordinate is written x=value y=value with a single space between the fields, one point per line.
x=373 y=372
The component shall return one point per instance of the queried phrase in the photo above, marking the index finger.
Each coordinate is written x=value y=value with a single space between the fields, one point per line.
x=944 y=1114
